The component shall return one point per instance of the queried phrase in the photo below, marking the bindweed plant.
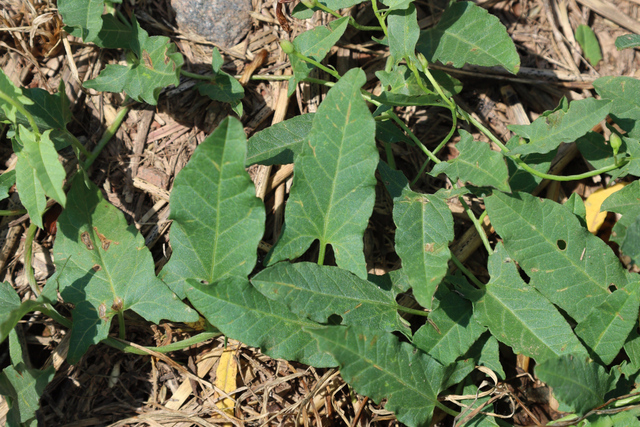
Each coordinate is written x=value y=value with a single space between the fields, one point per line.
x=556 y=293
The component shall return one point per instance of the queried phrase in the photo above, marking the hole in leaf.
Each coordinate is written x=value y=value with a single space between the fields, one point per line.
x=612 y=288
x=524 y=276
x=562 y=245
x=334 y=319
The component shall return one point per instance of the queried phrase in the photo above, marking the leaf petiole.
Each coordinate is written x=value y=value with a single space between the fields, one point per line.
x=23 y=111
x=177 y=346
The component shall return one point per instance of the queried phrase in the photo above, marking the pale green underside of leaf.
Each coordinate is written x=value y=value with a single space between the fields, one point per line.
x=547 y=132
x=378 y=365
x=519 y=316
x=570 y=266
x=626 y=202
x=26 y=388
x=29 y=188
x=102 y=262
x=43 y=159
x=589 y=44
x=333 y=190
x=317 y=292
x=625 y=108
x=218 y=220
x=576 y=382
x=314 y=44
x=8 y=88
x=157 y=66
x=607 y=327
x=279 y=143
x=424 y=230
x=84 y=15
x=457 y=330
x=239 y=311
x=476 y=164
x=403 y=32
x=468 y=34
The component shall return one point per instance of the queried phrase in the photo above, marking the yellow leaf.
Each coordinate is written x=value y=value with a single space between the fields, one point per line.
x=226 y=379
x=595 y=218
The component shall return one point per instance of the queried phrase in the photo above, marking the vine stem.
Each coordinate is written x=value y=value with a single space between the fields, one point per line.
x=477 y=224
x=181 y=345
x=466 y=272
x=18 y=106
x=107 y=135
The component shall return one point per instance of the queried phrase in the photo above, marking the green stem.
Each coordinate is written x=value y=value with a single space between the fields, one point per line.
x=476 y=224
x=23 y=111
x=177 y=346
x=28 y=259
x=379 y=17
x=48 y=310
x=78 y=146
x=321 y=253
x=391 y=161
x=466 y=272
x=412 y=311
x=211 y=77
x=121 y=324
x=404 y=127
x=13 y=213
x=106 y=137
x=324 y=68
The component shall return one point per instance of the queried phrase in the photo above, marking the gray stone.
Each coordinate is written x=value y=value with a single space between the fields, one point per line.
x=224 y=22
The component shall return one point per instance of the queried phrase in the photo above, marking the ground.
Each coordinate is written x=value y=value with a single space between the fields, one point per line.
x=137 y=169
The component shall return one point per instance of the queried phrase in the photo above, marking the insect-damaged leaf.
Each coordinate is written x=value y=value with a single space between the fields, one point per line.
x=570 y=266
x=218 y=220
x=104 y=267
x=334 y=184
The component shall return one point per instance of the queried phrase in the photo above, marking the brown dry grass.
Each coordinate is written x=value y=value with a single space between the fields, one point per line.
x=137 y=169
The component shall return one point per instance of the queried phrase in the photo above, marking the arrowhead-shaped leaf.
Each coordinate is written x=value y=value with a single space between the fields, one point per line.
x=577 y=382
x=334 y=184
x=567 y=264
x=562 y=125
x=468 y=34
x=424 y=230
x=317 y=292
x=607 y=327
x=477 y=164
x=625 y=107
x=280 y=143
x=218 y=220
x=378 y=365
x=223 y=87
x=519 y=316
x=105 y=268
x=403 y=33
x=156 y=65
x=241 y=312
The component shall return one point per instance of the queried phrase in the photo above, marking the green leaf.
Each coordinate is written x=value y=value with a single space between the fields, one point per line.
x=457 y=330
x=589 y=44
x=12 y=309
x=519 y=316
x=7 y=110
x=279 y=144
x=241 y=312
x=627 y=203
x=7 y=180
x=403 y=33
x=114 y=34
x=561 y=125
x=42 y=157
x=378 y=365
x=317 y=292
x=401 y=87
x=396 y=4
x=333 y=188
x=627 y=41
x=218 y=220
x=625 y=105
x=340 y=4
x=598 y=153
x=631 y=244
x=576 y=382
x=424 y=230
x=457 y=39
x=29 y=188
x=486 y=352
x=576 y=205
x=477 y=164
x=520 y=179
x=570 y=266
x=222 y=87
x=84 y=15
x=50 y=111
x=607 y=326
x=106 y=269
x=315 y=44
x=632 y=349
x=23 y=390
x=156 y=65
